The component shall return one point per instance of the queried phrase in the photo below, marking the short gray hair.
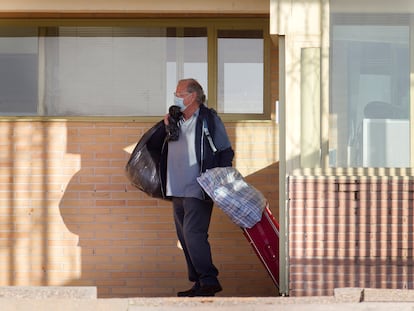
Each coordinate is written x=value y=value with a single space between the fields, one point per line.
x=194 y=86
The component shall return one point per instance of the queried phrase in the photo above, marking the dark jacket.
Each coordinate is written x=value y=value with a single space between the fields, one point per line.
x=206 y=157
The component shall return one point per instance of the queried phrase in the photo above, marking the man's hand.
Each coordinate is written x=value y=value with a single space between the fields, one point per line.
x=166 y=121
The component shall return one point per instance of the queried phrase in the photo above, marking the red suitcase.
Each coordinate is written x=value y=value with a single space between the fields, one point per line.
x=264 y=238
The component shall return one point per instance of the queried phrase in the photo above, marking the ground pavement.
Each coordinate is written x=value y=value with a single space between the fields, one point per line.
x=85 y=299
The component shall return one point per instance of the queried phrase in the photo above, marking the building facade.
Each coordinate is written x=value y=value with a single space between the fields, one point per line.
x=346 y=202
x=315 y=95
x=80 y=83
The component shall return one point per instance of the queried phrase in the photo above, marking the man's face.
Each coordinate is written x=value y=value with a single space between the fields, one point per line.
x=181 y=91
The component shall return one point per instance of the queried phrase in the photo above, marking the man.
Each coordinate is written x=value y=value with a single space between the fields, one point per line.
x=202 y=144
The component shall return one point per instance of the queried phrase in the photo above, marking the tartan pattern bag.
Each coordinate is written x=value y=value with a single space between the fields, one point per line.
x=243 y=203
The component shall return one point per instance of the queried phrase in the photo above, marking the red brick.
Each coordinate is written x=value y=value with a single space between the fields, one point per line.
x=360 y=234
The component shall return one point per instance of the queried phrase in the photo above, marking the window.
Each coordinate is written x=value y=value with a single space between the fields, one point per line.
x=240 y=71
x=101 y=70
x=131 y=70
x=18 y=71
x=370 y=90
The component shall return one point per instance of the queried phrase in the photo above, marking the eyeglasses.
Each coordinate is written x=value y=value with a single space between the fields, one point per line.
x=181 y=94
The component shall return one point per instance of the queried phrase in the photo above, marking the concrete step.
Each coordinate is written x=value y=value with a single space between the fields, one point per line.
x=47 y=292
x=52 y=298
x=199 y=304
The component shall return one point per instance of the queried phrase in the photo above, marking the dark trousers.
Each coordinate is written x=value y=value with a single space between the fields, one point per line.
x=192 y=220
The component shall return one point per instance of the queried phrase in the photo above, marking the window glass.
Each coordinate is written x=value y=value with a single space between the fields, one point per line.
x=370 y=90
x=77 y=69
x=188 y=44
x=119 y=71
x=240 y=71
x=97 y=71
x=18 y=71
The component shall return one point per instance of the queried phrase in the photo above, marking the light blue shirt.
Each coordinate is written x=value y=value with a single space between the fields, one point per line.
x=182 y=166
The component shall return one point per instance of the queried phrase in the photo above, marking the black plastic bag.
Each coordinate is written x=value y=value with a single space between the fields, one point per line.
x=142 y=168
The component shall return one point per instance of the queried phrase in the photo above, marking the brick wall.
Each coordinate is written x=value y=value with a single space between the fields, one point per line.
x=350 y=232
x=68 y=216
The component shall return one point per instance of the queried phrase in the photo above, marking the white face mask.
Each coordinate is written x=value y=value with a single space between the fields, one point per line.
x=178 y=101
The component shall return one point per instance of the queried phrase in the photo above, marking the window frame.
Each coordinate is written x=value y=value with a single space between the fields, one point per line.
x=213 y=25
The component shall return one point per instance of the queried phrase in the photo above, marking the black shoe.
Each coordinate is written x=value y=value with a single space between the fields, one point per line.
x=207 y=291
x=190 y=292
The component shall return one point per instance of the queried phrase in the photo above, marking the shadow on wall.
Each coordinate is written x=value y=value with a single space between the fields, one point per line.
x=267 y=181
x=24 y=230
x=127 y=239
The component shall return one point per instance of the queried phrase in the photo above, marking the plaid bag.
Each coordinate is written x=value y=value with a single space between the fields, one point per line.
x=243 y=203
